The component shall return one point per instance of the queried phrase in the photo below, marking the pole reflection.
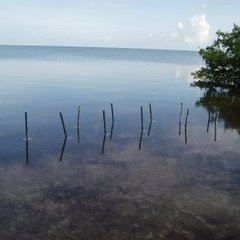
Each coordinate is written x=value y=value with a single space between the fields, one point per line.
x=186 y=137
x=103 y=143
x=111 y=132
x=140 y=141
x=27 y=159
x=149 y=128
x=63 y=148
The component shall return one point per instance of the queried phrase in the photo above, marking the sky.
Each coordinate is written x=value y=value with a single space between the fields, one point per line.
x=154 y=24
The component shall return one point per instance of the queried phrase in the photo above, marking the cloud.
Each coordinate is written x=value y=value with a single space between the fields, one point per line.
x=180 y=25
x=196 y=31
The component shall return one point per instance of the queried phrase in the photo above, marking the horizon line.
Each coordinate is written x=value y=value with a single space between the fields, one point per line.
x=74 y=46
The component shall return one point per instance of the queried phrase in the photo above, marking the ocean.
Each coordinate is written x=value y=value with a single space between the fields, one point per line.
x=137 y=154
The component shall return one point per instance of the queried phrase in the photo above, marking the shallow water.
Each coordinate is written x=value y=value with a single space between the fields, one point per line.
x=168 y=182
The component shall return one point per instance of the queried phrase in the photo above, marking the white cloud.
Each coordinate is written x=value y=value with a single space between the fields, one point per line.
x=197 y=30
x=180 y=25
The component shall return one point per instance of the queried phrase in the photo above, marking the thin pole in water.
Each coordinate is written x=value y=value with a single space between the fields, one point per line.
x=104 y=122
x=26 y=136
x=180 y=116
x=180 y=119
x=150 y=111
x=112 y=113
x=78 y=124
x=78 y=117
x=111 y=133
x=26 y=126
x=208 y=123
x=186 y=120
x=63 y=125
x=150 y=124
x=141 y=118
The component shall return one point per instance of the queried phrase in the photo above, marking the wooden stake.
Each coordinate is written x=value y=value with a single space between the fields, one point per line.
x=104 y=122
x=141 y=118
x=150 y=111
x=180 y=116
x=112 y=113
x=26 y=136
x=63 y=125
x=78 y=124
x=26 y=126
x=186 y=120
x=78 y=117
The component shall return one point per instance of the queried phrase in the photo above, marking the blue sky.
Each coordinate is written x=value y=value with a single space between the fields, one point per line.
x=171 y=24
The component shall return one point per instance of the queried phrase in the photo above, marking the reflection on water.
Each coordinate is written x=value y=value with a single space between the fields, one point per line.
x=63 y=148
x=103 y=143
x=27 y=152
x=105 y=128
x=111 y=132
x=149 y=127
x=185 y=134
x=140 y=141
x=101 y=188
x=215 y=126
x=78 y=134
x=209 y=119
x=223 y=106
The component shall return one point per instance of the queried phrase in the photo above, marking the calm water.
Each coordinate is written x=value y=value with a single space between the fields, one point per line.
x=167 y=182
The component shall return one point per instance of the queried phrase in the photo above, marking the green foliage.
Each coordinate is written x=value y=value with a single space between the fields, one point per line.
x=222 y=60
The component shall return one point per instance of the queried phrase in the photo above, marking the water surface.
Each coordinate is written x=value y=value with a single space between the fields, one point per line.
x=167 y=182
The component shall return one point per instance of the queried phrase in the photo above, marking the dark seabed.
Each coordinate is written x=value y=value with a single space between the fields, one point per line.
x=166 y=182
